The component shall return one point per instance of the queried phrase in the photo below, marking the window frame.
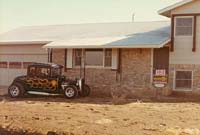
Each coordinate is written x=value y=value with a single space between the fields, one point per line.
x=89 y=66
x=74 y=57
x=175 y=20
x=183 y=89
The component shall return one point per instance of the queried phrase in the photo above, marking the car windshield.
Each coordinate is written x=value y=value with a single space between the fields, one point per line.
x=55 y=71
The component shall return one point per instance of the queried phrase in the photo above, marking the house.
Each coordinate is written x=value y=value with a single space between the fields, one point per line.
x=140 y=57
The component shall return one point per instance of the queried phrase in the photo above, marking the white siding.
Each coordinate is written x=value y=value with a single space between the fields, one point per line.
x=198 y=34
x=193 y=7
x=183 y=49
x=22 y=49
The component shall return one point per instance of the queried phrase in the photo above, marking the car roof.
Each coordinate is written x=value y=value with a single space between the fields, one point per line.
x=52 y=65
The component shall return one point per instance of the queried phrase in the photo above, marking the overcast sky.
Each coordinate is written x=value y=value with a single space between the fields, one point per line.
x=16 y=13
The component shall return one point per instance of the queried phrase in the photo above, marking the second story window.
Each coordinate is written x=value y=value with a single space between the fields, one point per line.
x=184 y=26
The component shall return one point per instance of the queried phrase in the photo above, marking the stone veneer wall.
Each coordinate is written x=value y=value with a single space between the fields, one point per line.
x=136 y=74
x=196 y=77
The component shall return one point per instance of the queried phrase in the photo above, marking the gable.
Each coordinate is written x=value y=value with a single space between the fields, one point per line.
x=182 y=7
x=192 y=7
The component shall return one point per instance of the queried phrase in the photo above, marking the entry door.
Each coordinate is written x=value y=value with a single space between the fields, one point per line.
x=161 y=59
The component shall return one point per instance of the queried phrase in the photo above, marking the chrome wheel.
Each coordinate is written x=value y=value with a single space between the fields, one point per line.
x=14 y=91
x=70 y=92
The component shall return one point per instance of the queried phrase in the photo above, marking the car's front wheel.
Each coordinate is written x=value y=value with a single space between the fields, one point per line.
x=16 y=90
x=86 y=91
x=70 y=92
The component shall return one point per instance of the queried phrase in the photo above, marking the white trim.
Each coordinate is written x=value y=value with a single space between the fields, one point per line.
x=171 y=7
x=104 y=57
x=174 y=81
x=164 y=43
x=92 y=67
x=114 y=62
x=10 y=42
x=182 y=36
x=69 y=58
x=110 y=46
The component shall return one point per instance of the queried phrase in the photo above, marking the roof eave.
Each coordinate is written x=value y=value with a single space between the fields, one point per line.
x=23 y=42
x=108 y=46
x=166 y=11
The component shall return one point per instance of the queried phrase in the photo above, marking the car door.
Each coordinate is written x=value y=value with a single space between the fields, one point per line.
x=33 y=80
x=50 y=82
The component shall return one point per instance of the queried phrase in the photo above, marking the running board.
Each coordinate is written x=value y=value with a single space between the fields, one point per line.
x=41 y=93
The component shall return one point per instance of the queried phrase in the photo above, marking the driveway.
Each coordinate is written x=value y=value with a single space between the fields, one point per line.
x=3 y=90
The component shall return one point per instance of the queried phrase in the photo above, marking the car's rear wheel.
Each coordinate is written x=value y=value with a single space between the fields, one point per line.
x=86 y=91
x=16 y=90
x=70 y=92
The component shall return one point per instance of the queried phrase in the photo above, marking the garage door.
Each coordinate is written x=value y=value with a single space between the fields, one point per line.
x=14 y=58
x=12 y=66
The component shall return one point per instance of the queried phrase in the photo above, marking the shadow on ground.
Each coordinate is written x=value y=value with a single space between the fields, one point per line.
x=101 y=101
x=5 y=131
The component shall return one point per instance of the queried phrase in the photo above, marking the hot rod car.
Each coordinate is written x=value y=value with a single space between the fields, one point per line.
x=47 y=78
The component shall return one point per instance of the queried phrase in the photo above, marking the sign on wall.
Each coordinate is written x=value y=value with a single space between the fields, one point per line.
x=160 y=78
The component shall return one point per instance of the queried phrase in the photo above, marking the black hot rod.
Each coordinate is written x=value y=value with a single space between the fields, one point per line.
x=47 y=78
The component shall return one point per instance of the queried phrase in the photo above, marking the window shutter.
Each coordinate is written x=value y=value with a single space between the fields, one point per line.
x=69 y=58
x=114 y=58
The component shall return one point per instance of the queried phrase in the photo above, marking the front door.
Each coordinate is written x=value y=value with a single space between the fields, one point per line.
x=161 y=64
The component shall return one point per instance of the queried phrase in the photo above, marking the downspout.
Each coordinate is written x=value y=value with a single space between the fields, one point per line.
x=194 y=34
x=50 y=57
x=65 y=60
x=48 y=60
x=172 y=34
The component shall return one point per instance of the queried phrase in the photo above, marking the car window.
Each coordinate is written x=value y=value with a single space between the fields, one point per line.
x=31 y=71
x=55 y=71
x=42 y=72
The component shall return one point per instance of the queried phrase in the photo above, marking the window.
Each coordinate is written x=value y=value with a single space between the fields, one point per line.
x=78 y=56
x=94 y=57
x=183 y=80
x=3 y=64
x=108 y=57
x=16 y=65
x=31 y=71
x=184 y=26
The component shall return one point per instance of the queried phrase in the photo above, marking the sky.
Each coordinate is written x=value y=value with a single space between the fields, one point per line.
x=17 y=13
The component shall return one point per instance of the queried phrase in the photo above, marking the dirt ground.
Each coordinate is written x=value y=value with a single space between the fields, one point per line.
x=90 y=116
